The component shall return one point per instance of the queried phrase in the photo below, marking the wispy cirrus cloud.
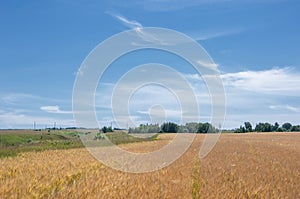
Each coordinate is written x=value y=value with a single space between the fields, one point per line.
x=142 y=36
x=128 y=23
x=54 y=109
x=208 y=64
x=18 y=98
x=157 y=38
x=15 y=98
x=285 y=107
x=206 y=35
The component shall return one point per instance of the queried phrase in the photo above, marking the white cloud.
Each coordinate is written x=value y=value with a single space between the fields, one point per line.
x=158 y=113
x=270 y=95
x=208 y=64
x=54 y=109
x=282 y=81
x=129 y=23
x=285 y=107
x=279 y=81
x=20 y=110
x=142 y=35
x=256 y=96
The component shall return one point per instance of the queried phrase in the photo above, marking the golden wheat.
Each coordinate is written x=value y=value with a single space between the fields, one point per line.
x=240 y=166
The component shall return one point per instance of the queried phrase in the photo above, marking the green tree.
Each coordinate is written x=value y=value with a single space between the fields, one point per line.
x=279 y=129
x=263 y=127
x=145 y=128
x=106 y=129
x=287 y=126
x=240 y=130
x=205 y=128
x=192 y=127
x=267 y=127
x=169 y=127
x=295 y=128
x=248 y=126
x=259 y=127
x=275 y=127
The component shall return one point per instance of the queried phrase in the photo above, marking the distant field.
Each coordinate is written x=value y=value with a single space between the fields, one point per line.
x=254 y=165
x=13 y=142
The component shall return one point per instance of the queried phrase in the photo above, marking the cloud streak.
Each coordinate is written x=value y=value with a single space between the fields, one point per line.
x=285 y=107
x=130 y=24
x=158 y=37
x=54 y=109
x=205 y=35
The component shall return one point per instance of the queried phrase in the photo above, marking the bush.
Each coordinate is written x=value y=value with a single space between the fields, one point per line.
x=106 y=129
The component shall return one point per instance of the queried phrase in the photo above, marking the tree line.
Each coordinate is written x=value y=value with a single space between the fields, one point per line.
x=171 y=127
x=267 y=127
x=198 y=127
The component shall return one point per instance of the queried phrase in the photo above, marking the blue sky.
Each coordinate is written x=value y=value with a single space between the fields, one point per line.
x=254 y=43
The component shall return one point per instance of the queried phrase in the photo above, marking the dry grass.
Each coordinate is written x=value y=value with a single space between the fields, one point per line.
x=240 y=166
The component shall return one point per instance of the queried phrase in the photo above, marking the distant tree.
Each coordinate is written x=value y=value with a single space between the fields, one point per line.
x=267 y=127
x=145 y=128
x=205 y=128
x=192 y=127
x=263 y=127
x=248 y=127
x=295 y=128
x=287 y=126
x=169 y=127
x=153 y=128
x=240 y=130
x=183 y=129
x=106 y=129
x=259 y=127
x=275 y=127
x=243 y=129
x=279 y=129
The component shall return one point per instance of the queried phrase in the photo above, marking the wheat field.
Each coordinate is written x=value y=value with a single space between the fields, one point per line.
x=256 y=165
